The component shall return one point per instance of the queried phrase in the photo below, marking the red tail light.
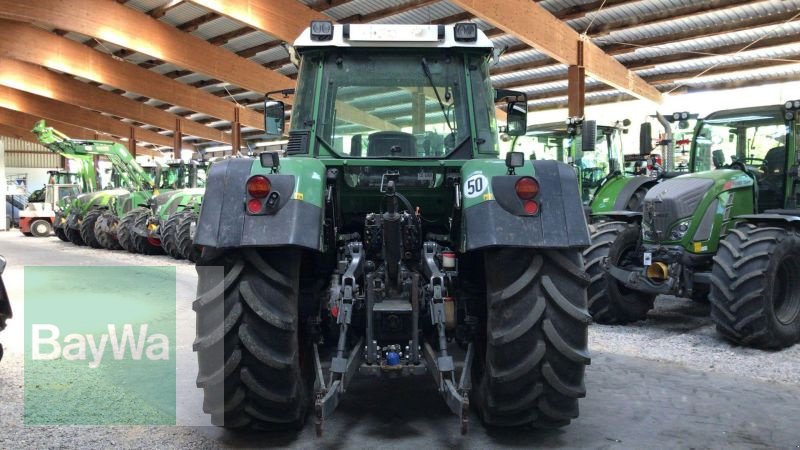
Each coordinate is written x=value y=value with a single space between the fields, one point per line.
x=254 y=206
x=531 y=207
x=527 y=188
x=258 y=186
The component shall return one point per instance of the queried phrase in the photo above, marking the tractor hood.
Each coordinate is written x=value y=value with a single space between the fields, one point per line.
x=680 y=198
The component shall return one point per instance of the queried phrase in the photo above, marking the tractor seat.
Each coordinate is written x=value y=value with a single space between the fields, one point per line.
x=382 y=144
x=775 y=160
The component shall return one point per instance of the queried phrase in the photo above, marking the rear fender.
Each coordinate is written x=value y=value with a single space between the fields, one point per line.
x=490 y=221
x=297 y=220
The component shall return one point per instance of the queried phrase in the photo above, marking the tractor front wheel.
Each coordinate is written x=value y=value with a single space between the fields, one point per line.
x=254 y=359
x=73 y=235
x=530 y=362
x=610 y=302
x=143 y=244
x=125 y=229
x=169 y=240
x=755 y=290
x=184 y=235
x=103 y=231
x=87 y=228
x=59 y=230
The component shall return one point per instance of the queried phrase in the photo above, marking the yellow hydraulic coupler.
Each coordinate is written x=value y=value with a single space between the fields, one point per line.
x=658 y=271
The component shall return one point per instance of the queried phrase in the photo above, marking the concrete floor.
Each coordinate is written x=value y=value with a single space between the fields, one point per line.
x=668 y=382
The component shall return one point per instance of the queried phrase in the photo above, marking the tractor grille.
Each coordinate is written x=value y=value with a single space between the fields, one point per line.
x=298 y=142
x=672 y=200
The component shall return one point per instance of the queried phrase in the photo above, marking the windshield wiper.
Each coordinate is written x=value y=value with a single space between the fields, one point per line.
x=428 y=75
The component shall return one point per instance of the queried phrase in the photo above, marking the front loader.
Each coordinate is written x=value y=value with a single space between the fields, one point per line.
x=93 y=216
x=392 y=241
x=726 y=233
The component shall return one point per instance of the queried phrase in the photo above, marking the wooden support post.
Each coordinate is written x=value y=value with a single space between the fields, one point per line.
x=236 y=132
x=132 y=141
x=177 y=137
x=576 y=87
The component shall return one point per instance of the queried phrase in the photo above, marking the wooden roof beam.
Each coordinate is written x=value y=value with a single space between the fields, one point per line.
x=137 y=31
x=23 y=124
x=48 y=50
x=51 y=109
x=40 y=81
x=682 y=36
x=559 y=41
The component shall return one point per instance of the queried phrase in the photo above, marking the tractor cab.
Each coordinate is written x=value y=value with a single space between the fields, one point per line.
x=753 y=139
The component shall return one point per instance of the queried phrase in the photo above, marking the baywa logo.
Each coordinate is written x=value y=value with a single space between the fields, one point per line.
x=80 y=347
x=100 y=345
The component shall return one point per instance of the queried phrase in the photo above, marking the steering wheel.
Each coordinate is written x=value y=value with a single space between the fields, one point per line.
x=738 y=165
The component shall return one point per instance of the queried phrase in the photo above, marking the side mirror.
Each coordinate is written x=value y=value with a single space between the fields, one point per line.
x=588 y=135
x=645 y=138
x=274 y=117
x=517 y=119
x=516 y=112
x=270 y=160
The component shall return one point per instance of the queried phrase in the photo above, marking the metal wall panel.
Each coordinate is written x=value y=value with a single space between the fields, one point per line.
x=24 y=154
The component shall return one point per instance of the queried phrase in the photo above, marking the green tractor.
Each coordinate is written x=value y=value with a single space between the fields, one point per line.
x=597 y=160
x=133 y=185
x=726 y=233
x=140 y=228
x=171 y=217
x=391 y=241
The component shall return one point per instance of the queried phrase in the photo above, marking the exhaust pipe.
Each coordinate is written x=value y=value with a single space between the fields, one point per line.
x=658 y=271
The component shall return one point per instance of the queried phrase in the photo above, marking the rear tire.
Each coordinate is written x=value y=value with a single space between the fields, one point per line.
x=87 y=228
x=530 y=363
x=184 y=236
x=73 y=235
x=104 y=235
x=610 y=302
x=755 y=290
x=169 y=240
x=141 y=244
x=41 y=228
x=250 y=340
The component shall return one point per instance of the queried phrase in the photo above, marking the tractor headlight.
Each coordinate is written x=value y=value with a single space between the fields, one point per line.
x=647 y=231
x=679 y=230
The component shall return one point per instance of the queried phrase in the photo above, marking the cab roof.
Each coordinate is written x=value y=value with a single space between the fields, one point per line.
x=393 y=36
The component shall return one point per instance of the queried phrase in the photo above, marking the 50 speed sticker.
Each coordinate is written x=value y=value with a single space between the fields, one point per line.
x=475 y=185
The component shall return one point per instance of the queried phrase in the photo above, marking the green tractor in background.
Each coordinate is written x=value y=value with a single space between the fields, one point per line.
x=598 y=159
x=727 y=232
x=390 y=234
x=623 y=190
x=132 y=185
x=171 y=216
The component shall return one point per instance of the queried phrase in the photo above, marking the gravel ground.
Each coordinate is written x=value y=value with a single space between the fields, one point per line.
x=679 y=331
x=707 y=394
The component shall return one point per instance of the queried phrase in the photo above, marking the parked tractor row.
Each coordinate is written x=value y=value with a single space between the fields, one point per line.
x=146 y=210
x=725 y=233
